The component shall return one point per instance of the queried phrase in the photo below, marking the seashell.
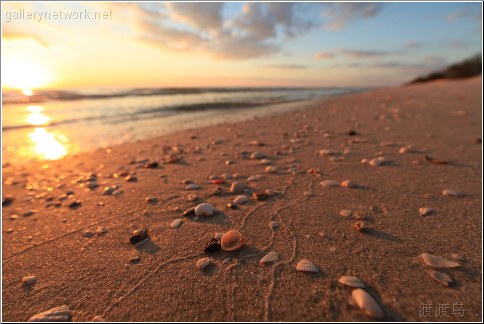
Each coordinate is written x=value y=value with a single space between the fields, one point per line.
x=228 y=162
x=306 y=266
x=273 y=224
x=151 y=200
x=232 y=206
x=347 y=184
x=270 y=169
x=203 y=263
x=57 y=314
x=270 y=257
x=329 y=183
x=255 y=178
x=192 y=186
x=232 y=241
x=364 y=161
x=98 y=319
x=426 y=211
x=238 y=187
x=438 y=262
x=367 y=304
x=375 y=162
x=457 y=256
x=189 y=211
x=139 y=235
x=260 y=196
x=257 y=155
x=213 y=245
x=265 y=162
x=351 y=281
x=346 y=213
x=452 y=193
x=441 y=278
x=30 y=280
x=242 y=199
x=326 y=152
x=176 y=223
x=204 y=209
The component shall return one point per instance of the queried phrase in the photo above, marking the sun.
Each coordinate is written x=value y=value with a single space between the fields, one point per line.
x=23 y=74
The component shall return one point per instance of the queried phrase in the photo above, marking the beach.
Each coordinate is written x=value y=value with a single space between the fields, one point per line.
x=401 y=148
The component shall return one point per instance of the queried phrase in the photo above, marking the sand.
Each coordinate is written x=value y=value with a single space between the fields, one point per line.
x=94 y=275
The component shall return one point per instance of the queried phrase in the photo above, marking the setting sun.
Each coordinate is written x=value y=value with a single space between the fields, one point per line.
x=24 y=74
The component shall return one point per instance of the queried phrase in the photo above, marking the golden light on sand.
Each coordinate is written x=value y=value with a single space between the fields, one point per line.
x=24 y=74
x=47 y=145
x=36 y=117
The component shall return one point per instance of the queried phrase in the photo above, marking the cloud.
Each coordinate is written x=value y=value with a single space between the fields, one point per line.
x=323 y=55
x=351 y=53
x=236 y=47
x=464 y=14
x=414 y=44
x=9 y=34
x=205 y=16
x=459 y=44
x=339 y=14
x=286 y=66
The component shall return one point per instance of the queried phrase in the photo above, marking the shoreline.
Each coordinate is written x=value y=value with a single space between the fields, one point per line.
x=93 y=274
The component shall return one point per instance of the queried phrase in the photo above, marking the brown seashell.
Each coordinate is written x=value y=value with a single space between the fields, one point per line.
x=367 y=304
x=441 y=278
x=260 y=195
x=306 y=266
x=232 y=241
x=438 y=262
x=57 y=314
x=329 y=183
x=351 y=281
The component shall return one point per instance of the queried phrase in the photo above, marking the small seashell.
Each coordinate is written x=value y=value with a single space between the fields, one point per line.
x=375 y=162
x=232 y=206
x=203 y=263
x=57 y=314
x=257 y=155
x=329 y=183
x=367 y=304
x=347 y=184
x=98 y=319
x=273 y=224
x=426 y=211
x=204 y=209
x=457 y=256
x=232 y=241
x=242 y=199
x=30 y=280
x=270 y=257
x=405 y=150
x=441 y=278
x=306 y=266
x=189 y=211
x=452 y=193
x=346 y=213
x=238 y=187
x=139 y=235
x=255 y=178
x=228 y=162
x=265 y=162
x=351 y=281
x=438 y=262
x=192 y=186
x=270 y=169
x=176 y=223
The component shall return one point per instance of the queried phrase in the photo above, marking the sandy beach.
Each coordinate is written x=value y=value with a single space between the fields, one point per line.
x=61 y=226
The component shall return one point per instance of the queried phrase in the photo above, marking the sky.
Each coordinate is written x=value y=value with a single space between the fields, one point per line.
x=62 y=45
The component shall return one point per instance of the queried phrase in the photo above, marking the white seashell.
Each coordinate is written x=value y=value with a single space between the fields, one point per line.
x=203 y=263
x=242 y=199
x=30 y=280
x=351 y=281
x=438 y=262
x=238 y=187
x=306 y=266
x=270 y=257
x=270 y=169
x=57 y=314
x=441 y=278
x=346 y=213
x=452 y=193
x=457 y=256
x=176 y=223
x=367 y=304
x=204 y=209
x=273 y=224
x=347 y=184
x=265 y=162
x=426 y=211
x=192 y=186
x=257 y=155
x=375 y=162
x=329 y=183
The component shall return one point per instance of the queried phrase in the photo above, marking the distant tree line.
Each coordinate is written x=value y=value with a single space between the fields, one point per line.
x=467 y=68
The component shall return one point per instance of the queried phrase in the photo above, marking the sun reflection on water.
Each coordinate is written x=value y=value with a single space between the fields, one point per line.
x=48 y=146
x=36 y=116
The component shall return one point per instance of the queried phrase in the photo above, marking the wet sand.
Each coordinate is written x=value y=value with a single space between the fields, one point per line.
x=94 y=274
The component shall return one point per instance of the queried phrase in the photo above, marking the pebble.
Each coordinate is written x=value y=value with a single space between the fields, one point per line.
x=452 y=193
x=270 y=169
x=57 y=314
x=441 y=278
x=29 y=213
x=238 y=187
x=232 y=206
x=346 y=213
x=375 y=162
x=139 y=235
x=405 y=150
x=88 y=234
x=329 y=183
x=6 y=201
x=192 y=197
x=367 y=304
x=270 y=257
x=75 y=204
x=347 y=184
x=192 y=186
x=151 y=165
x=426 y=211
x=151 y=200
x=131 y=178
x=228 y=162
x=30 y=280
x=176 y=223
x=203 y=263
x=257 y=155
x=265 y=162
x=242 y=199
x=306 y=266
x=101 y=230
x=260 y=196
x=204 y=209
x=189 y=211
x=438 y=262
x=227 y=176
x=351 y=281
x=109 y=191
x=273 y=224
x=255 y=178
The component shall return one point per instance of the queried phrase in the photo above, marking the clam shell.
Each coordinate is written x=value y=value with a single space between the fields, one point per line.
x=452 y=193
x=232 y=241
x=176 y=223
x=367 y=304
x=306 y=266
x=204 y=209
x=242 y=199
x=329 y=183
x=351 y=281
x=203 y=263
x=57 y=314
x=438 y=262
x=426 y=211
x=270 y=257
x=238 y=187
x=441 y=278
x=346 y=213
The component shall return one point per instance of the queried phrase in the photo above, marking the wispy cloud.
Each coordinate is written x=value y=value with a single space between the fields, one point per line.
x=286 y=66
x=339 y=14
x=352 y=53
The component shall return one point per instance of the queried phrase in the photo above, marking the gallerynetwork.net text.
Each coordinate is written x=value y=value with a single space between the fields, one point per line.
x=40 y=16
